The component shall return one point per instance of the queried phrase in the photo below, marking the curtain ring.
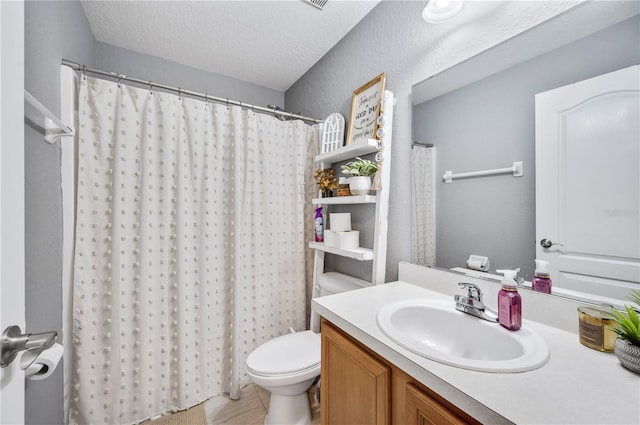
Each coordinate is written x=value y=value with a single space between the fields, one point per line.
x=84 y=71
x=179 y=93
x=150 y=87
x=119 y=78
x=227 y=104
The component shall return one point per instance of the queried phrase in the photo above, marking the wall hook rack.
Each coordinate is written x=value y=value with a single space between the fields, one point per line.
x=515 y=169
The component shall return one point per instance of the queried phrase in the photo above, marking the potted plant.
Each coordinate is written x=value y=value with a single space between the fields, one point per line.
x=326 y=181
x=627 y=345
x=360 y=171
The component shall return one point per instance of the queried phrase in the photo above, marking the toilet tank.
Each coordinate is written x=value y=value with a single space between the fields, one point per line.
x=334 y=283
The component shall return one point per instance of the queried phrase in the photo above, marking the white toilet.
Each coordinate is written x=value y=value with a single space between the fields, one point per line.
x=287 y=365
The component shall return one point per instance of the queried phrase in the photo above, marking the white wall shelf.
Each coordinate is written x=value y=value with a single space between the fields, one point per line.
x=348 y=151
x=360 y=254
x=378 y=253
x=346 y=200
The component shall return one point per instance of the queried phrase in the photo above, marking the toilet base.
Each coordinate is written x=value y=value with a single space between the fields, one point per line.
x=289 y=410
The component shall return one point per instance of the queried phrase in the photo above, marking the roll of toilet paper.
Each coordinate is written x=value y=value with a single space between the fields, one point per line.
x=45 y=364
x=331 y=238
x=349 y=240
x=340 y=222
x=478 y=262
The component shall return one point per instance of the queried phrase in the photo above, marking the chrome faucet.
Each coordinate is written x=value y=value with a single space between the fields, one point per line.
x=472 y=303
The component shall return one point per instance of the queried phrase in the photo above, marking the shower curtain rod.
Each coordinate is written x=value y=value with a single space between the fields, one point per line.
x=122 y=77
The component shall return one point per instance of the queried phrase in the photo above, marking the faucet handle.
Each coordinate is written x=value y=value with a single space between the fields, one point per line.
x=473 y=291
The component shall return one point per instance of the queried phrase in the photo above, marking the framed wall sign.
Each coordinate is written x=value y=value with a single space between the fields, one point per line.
x=365 y=108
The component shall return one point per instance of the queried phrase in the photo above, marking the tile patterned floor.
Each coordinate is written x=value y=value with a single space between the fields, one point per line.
x=250 y=409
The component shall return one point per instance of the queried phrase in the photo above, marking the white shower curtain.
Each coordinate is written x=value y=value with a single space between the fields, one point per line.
x=190 y=248
x=423 y=223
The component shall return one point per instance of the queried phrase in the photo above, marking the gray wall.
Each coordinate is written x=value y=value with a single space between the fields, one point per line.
x=53 y=30
x=110 y=58
x=327 y=88
x=391 y=39
x=490 y=124
x=56 y=30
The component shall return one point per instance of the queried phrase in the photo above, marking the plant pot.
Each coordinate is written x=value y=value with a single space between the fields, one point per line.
x=360 y=185
x=628 y=354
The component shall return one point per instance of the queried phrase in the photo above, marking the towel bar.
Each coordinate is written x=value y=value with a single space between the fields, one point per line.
x=516 y=170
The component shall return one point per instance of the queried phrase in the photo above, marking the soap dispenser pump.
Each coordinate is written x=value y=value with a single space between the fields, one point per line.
x=541 y=280
x=509 y=302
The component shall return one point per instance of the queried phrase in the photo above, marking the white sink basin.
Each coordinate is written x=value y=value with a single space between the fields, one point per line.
x=436 y=330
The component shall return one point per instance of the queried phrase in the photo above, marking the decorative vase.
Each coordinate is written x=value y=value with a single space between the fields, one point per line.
x=360 y=185
x=628 y=354
x=327 y=193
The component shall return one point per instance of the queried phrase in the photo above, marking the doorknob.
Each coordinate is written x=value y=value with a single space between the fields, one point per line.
x=12 y=342
x=546 y=243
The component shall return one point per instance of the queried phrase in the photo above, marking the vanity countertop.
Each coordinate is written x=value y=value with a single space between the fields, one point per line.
x=577 y=386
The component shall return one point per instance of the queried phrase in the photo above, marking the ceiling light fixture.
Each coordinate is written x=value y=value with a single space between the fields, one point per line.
x=438 y=11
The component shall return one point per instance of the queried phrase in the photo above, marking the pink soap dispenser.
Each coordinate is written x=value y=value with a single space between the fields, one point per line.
x=541 y=281
x=509 y=302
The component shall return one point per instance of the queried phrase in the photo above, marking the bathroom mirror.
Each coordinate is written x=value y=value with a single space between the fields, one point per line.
x=480 y=115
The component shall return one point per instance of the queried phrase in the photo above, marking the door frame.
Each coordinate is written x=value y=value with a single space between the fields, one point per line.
x=12 y=258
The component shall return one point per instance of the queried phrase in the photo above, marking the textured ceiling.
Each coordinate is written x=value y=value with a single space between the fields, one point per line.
x=269 y=43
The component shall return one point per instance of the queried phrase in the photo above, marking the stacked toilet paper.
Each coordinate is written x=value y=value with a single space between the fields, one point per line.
x=340 y=234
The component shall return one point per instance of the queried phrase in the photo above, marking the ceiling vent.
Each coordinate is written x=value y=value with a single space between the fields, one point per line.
x=317 y=3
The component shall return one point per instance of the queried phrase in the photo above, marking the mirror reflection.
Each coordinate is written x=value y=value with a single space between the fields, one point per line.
x=490 y=123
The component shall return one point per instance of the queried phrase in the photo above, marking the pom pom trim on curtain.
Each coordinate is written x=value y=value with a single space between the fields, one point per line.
x=190 y=248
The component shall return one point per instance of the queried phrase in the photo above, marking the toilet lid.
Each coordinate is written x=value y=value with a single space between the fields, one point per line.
x=286 y=354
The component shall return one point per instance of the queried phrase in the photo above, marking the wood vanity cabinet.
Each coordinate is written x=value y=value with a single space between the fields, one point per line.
x=359 y=387
x=356 y=387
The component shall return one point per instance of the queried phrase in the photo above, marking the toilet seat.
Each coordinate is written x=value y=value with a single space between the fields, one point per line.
x=291 y=354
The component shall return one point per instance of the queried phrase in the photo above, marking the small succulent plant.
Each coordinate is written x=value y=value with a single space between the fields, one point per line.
x=361 y=167
x=628 y=322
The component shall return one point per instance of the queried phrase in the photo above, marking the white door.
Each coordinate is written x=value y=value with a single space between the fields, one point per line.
x=12 y=199
x=588 y=183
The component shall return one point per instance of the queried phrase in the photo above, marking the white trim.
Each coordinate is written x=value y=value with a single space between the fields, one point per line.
x=12 y=213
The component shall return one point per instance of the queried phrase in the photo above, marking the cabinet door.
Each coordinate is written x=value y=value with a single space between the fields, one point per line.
x=355 y=386
x=421 y=409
